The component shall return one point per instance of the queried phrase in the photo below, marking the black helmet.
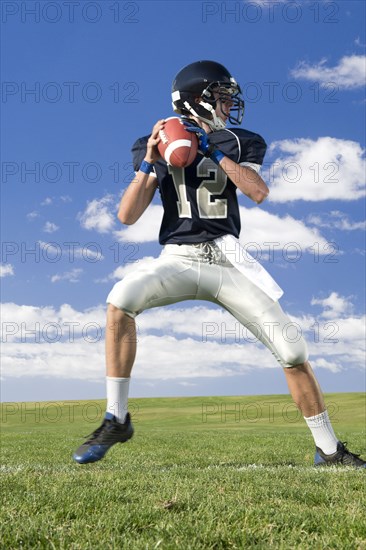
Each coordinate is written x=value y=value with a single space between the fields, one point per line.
x=192 y=93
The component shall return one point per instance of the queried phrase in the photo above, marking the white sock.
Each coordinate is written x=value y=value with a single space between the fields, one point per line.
x=322 y=431
x=117 y=397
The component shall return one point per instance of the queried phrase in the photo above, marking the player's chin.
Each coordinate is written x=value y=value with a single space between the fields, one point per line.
x=223 y=118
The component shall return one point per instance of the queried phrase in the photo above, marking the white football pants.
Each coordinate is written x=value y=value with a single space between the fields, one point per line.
x=202 y=272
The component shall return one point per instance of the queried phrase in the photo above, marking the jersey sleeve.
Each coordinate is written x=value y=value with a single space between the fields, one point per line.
x=252 y=150
x=242 y=146
x=138 y=153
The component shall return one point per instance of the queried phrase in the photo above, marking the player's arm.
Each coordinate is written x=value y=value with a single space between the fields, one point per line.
x=246 y=179
x=136 y=198
x=141 y=190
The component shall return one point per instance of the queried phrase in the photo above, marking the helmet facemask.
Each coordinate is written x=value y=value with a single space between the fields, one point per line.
x=199 y=88
x=204 y=106
x=222 y=93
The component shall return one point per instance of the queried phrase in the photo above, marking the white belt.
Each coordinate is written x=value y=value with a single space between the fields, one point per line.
x=246 y=264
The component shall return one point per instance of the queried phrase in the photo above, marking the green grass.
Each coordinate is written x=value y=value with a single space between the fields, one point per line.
x=187 y=480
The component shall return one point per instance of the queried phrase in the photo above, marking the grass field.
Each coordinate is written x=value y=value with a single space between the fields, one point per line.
x=200 y=473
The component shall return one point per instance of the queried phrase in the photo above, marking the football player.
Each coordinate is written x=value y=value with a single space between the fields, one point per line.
x=201 y=257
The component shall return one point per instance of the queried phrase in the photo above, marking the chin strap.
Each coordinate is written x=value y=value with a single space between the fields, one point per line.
x=215 y=124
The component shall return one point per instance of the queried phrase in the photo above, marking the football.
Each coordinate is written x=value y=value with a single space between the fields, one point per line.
x=177 y=146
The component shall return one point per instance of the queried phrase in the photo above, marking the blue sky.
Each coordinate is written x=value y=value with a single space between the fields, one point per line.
x=80 y=82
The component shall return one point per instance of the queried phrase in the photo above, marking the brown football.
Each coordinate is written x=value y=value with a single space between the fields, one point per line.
x=177 y=146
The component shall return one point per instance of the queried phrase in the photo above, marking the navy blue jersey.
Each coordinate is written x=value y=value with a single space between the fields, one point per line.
x=200 y=201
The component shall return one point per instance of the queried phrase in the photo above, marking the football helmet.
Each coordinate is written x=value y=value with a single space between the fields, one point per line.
x=193 y=94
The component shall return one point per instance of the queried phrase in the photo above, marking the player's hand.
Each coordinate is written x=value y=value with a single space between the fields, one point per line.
x=152 y=153
x=203 y=141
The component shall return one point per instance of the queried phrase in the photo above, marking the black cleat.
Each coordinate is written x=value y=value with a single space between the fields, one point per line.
x=342 y=457
x=102 y=439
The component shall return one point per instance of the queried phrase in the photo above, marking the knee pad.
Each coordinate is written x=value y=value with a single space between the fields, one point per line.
x=292 y=353
x=130 y=294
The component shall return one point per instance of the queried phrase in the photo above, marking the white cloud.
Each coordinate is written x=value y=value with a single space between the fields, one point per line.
x=359 y=43
x=196 y=359
x=53 y=250
x=91 y=253
x=349 y=73
x=66 y=317
x=47 y=201
x=260 y=227
x=98 y=215
x=72 y=276
x=198 y=322
x=146 y=229
x=359 y=251
x=336 y=343
x=325 y=169
x=184 y=343
x=32 y=215
x=29 y=331
x=334 y=306
x=66 y=198
x=321 y=363
x=123 y=270
x=6 y=270
x=335 y=220
x=50 y=227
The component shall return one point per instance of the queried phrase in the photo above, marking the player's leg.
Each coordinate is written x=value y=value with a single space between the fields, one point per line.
x=166 y=280
x=268 y=322
x=305 y=389
x=306 y=393
x=120 y=352
x=120 y=342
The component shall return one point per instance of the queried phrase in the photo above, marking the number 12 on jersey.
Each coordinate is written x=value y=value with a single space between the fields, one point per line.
x=208 y=205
